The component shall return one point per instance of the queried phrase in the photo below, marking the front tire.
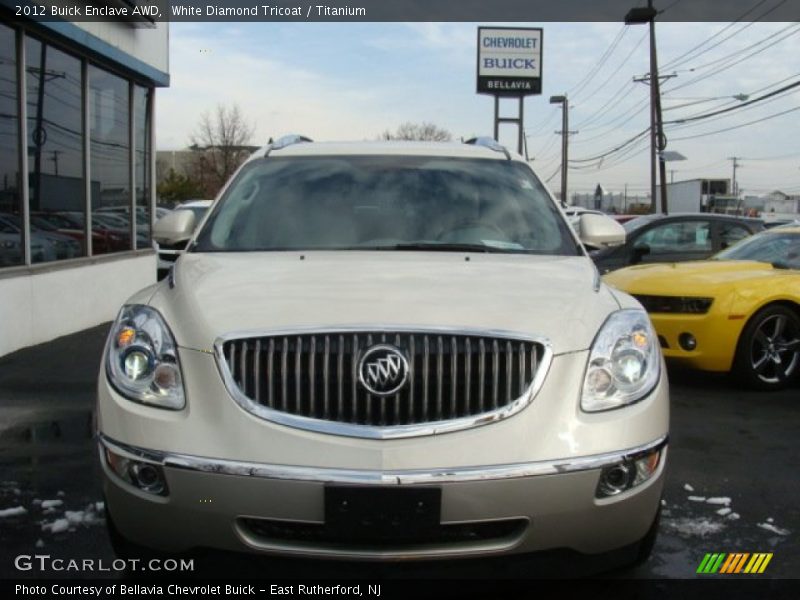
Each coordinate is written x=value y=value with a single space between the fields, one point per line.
x=768 y=354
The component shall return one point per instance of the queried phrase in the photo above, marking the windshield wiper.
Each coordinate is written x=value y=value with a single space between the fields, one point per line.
x=449 y=247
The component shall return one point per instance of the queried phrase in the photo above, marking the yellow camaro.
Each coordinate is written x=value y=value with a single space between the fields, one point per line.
x=738 y=311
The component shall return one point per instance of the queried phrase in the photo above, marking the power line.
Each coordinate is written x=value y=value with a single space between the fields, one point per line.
x=707 y=133
x=615 y=149
x=577 y=88
x=678 y=60
x=736 y=62
x=609 y=78
x=737 y=107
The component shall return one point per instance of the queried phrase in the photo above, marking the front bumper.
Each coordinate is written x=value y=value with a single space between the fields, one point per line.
x=514 y=508
x=539 y=468
x=716 y=333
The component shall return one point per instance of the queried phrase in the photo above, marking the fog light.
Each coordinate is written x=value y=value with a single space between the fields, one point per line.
x=615 y=480
x=687 y=341
x=626 y=475
x=147 y=477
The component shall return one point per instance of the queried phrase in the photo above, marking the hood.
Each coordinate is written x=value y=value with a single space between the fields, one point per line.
x=548 y=296
x=704 y=277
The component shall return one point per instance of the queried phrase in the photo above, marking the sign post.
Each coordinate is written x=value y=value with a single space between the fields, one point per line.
x=510 y=66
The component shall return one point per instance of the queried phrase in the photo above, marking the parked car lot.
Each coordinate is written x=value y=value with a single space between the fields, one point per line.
x=739 y=311
x=671 y=238
x=46 y=242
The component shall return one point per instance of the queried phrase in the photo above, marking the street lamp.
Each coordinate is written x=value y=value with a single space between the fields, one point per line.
x=739 y=97
x=658 y=142
x=562 y=100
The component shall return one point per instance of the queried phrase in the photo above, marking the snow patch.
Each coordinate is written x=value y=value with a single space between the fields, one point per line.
x=773 y=528
x=72 y=519
x=13 y=512
x=56 y=526
x=733 y=516
x=60 y=494
x=695 y=527
x=724 y=511
x=48 y=504
x=719 y=500
x=687 y=487
x=770 y=520
x=697 y=498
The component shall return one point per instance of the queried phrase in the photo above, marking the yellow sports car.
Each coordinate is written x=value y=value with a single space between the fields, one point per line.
x=738 y=311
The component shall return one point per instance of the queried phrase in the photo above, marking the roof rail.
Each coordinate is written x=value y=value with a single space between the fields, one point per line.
x=286 y=140
x=489 y=143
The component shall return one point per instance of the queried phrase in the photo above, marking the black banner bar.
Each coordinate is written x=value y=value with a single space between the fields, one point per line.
x=147 y=12
x=730 y=588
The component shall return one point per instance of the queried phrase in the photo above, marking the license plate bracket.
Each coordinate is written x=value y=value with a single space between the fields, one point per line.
x=383 y=513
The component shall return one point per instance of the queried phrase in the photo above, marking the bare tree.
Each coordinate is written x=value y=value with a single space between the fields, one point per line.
x=418 y=131
x=221 y=142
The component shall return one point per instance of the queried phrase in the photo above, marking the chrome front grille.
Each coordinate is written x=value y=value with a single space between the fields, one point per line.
x=314 y=376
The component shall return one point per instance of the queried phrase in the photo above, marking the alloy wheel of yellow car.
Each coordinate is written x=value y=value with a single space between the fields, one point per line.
x=768 y=355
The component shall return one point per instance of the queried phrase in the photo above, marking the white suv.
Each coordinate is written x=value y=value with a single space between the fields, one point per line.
x=383 y=351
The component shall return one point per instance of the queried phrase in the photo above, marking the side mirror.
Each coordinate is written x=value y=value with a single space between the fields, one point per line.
x=176 y=227
x=599 y=230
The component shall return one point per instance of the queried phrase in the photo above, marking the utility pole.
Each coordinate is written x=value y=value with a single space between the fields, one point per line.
x=736 y=165
x=625 y=202
x=658 y=141
x=55 y=154
x=565 y=133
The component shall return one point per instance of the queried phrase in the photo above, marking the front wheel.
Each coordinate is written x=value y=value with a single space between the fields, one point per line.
x=768 y=354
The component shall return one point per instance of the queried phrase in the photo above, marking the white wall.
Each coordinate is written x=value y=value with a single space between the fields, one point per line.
x=148 y=44
x=41 y=307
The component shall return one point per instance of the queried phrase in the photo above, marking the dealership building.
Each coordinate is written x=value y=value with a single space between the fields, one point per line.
x=76 y=170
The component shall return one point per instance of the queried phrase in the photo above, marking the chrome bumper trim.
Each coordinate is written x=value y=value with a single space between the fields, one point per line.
x=372 y=477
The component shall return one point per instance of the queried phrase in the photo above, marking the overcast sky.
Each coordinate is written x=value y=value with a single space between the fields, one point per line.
x=353 y=81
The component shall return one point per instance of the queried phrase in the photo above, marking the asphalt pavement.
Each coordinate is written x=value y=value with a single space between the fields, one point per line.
x=732 y=479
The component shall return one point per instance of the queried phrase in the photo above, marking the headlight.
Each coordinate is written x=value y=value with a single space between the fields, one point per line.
x=624 y=362
x=142 y=359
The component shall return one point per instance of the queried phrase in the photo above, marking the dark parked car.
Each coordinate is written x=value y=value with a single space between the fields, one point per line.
x=675 y=238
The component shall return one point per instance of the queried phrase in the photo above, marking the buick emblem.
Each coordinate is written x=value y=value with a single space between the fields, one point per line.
x=383 y=370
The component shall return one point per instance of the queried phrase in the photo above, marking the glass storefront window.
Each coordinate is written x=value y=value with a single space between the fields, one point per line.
x=56 y=140
x=11 y=242
x=109 y=135
x=141 y=115
x=55 y=153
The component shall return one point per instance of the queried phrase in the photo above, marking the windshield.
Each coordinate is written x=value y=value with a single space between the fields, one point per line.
x=781 y=249
x=386 y=203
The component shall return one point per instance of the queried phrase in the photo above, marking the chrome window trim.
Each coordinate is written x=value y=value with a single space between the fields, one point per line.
x=393 y=431
x=375 y=477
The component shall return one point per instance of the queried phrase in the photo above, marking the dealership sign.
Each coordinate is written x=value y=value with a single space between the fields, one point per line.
x=509 y=61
